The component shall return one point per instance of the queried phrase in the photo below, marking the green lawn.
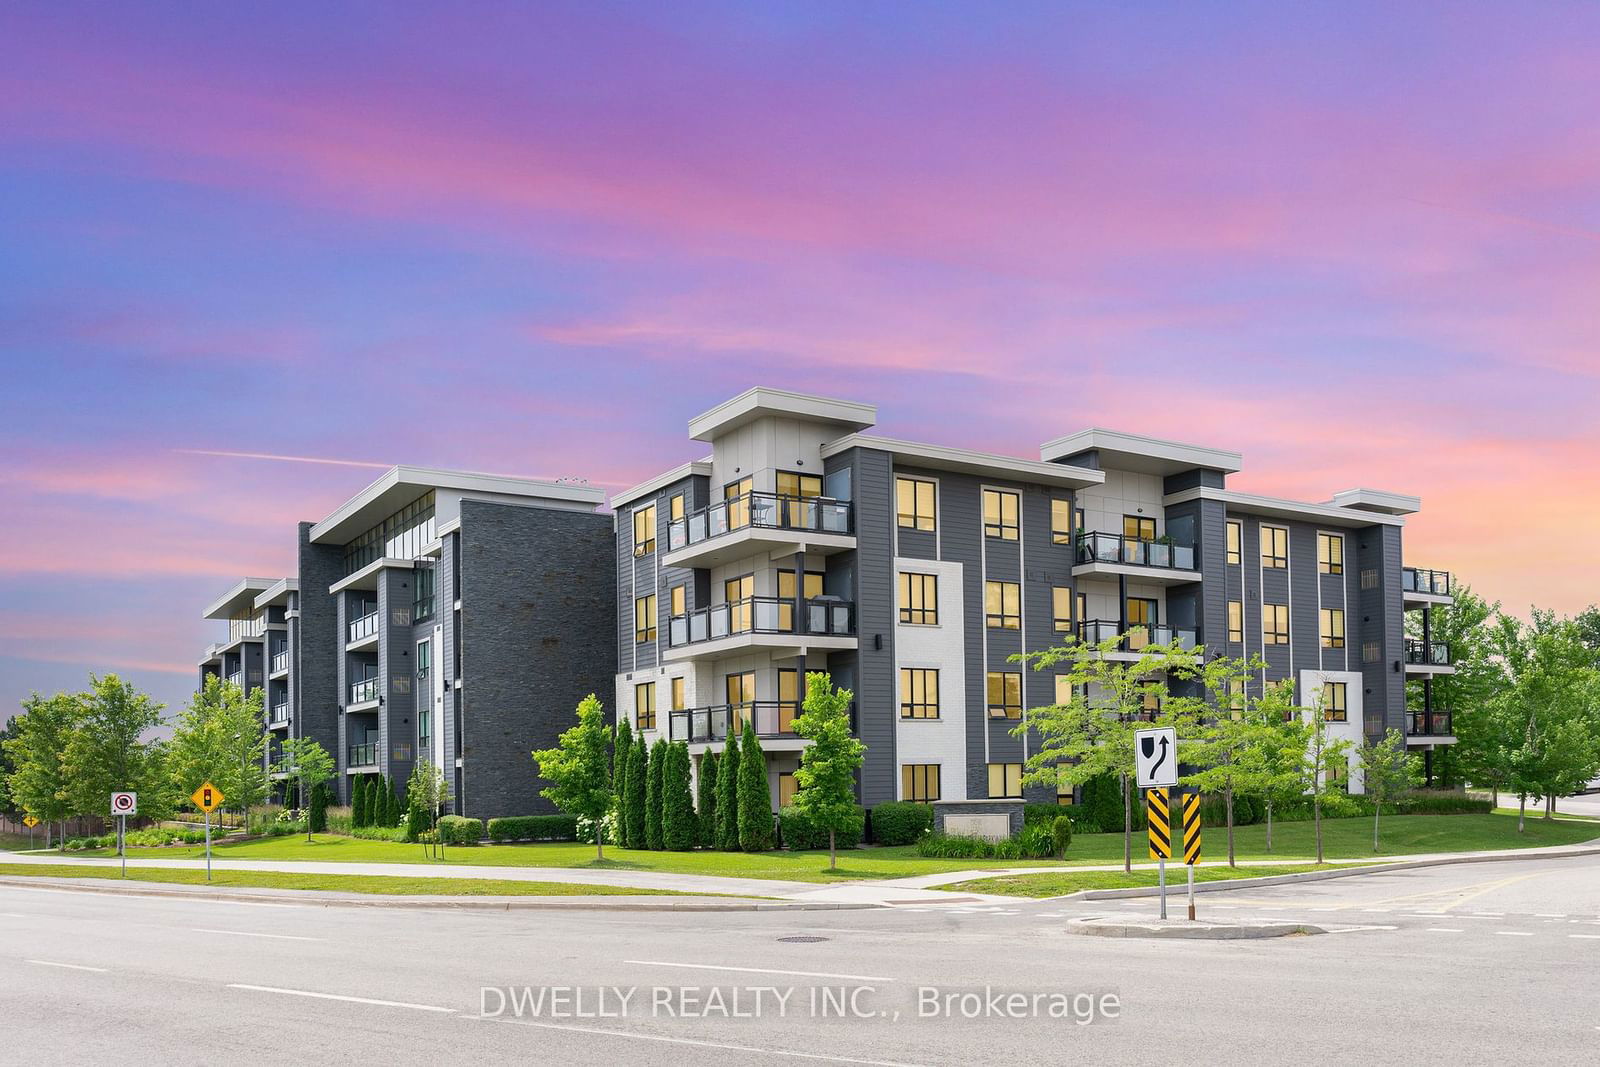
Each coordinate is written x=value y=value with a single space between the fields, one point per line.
x=1068 y=881
x=1342 y=839
x=345 y=883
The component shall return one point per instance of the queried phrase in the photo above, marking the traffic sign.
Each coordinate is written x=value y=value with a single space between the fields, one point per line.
x=1191 y=828
x=1160 y=824
x=1155 y=757
x=208 y=798
x=30 y=821
x=124 y=803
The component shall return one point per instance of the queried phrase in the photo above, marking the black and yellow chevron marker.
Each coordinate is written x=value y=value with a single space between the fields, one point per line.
x=1191 y=828
x=1159 y=818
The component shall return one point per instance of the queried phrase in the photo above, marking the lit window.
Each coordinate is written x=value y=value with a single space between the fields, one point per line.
x=677 y=507
x=679 y=600
x=1332 y=628
x=919 y=693
x=1005 y=695
x=1235 y=541
x=1005 y=781
x=736 y=501
x=644 y=530
x=1061 y=609
x=644 y=706
x=1236 y=622
x=1274 y=546
x=1334 y=695
x=1330 y=553
x=796 y=489
x=1063 y=788
x=919 y=782
x=1138 y=528
x=914 y=504
x=1061 y=522
x=678 y=699
x=1000 y=514
x=1063 y=689
x=787 y=787
x=644 y=618
x=1002 y=605
x=919 y=599
x=1275 y=624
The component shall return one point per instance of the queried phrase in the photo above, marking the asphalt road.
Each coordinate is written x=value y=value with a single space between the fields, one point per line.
x=1465 y=964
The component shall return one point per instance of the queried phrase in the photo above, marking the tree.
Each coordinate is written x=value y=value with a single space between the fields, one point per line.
x=827 y=774
x=1272 y=765
x=638 y=778
x=679 y=827
x=219 y=739
x=1553 y=701
x=107 y=752
x=1386 y=772
x=358 y=802
x=1093 y=732
x=1471 y=627
x=706 y=799
x=1322 y=765
x=8 y=732
x=39 y=782
x=622 y=754
x=317 y=816
x=579 y=769
x=755 y=798
x=728 y=795
x=1218 y=728
x=426 y=793
x=308 y=765
x=655 y=796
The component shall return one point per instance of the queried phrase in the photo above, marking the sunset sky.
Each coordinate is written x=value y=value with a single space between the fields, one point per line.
x=252 y=254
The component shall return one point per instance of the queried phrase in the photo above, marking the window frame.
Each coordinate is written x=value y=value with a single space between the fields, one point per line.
x=677 y=507
x=999 y=529
x=1007 y=592
x=929 y=774
x=1140 y=523
x=678 y=601
x=1270 y=560
x=1326 y=563
x=915 y=515
x=644 y=706
x=1233 y=542
x=917 y=589
x=644 y=517
x=1329 y=635
x=914 y=682
x=794 y=787
x=1006 y=774
x=1335 y=701
x=1059 y=509
x=1271 y=614
x=1005 y=707
x=677 y=693
x=1061 y=597
x=644 y=607
x=1236 y=621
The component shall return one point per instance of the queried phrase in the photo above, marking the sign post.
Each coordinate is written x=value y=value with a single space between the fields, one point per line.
x=30 y=821
x=122 y=806
x=1191 y=841
x=1159 y=825
x=208 y=798
x=1155 y=759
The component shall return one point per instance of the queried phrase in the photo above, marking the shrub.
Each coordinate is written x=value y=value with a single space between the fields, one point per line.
x=339 y=820
x=1102 y=800
x=256 y=820
x=1045 y=813
x=1082 y=824
x=1061 y=834
x=638 y=765
x=706 y=799
x=680 y=828
x=755 y=801
x=655 y=796
x=358 y=802
x=1441 y=802
x=459 y=830
x=285 y=827
x=1036 y=842
x=317 y=817
x=728 y=796
x=954 y=847
x=900 y=822
x=799 y=833
x=377 y=833
x=607 y=825
x=534 y=828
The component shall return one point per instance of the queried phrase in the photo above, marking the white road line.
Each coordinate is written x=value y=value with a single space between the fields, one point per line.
x=1587 y=937
x=1375 y=911
x=335 y=996
x=1488 y=914
x=68 y=966
x=1430 y=914
x=1444 y=929
x=1513 y=933
x=760 y=970
x=1356 y=929
x=246 y=933
x=11 y=915
x=1549 y=915
x=698 y=1044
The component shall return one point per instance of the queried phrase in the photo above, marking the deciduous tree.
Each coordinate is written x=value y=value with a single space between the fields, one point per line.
x=827 y=774
x=579 y=768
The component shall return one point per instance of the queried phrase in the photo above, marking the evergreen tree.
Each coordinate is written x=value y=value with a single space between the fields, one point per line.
x=755 y=799
x=706 y=799
x=318 y=815
x=638 y=774
x=358 y=802
x=728 y=797
x=679 y=827
x=654 y=788
x=392 y=806
x=623 y=755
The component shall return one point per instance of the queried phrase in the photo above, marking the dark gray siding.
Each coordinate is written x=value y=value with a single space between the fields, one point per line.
x=873 y=486
x=1382 y=622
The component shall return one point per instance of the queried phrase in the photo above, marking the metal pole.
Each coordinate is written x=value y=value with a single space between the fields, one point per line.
x=122 y=842
x=208 y=858
x=1191 y=891
x=1163 y=862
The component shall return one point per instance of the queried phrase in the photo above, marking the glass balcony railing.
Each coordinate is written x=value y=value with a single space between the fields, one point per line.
x=364 y=691
x=1137 y=636
x=1427 y=653
x=1422 y=580
x=763 y=615
x=365 y=626
x=364 y=755
x=280 y=713
x=1118 y=548
x=770 y=718
x=767 y=511
x=237 y=678
x=1434 y=723
x=280 y=661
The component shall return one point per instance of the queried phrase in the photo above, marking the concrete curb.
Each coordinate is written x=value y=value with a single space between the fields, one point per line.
x=1094 y=926
x=302 y=897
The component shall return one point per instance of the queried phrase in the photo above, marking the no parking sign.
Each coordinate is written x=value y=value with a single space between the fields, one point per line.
x=124 y=803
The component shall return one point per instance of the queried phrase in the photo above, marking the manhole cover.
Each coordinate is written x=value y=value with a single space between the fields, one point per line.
x=802 y=940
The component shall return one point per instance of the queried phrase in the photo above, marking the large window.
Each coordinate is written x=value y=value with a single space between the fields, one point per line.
x=1334 y=697
x=1275 y=624
x=1330 y=553
x=736 y=496
x=402 y=535
x=740 y=690
x=1332 y=627
x=919 y=693
x=675 y=509
x=644 y=530
x=914 y=500
x=644 y=706
x=1274 y=546
x=644 y=618
x=1002 y=605
x=1061 y=522
x=1141 y=612
x=1138 y=528
x=678 y=694
x=422 y=603
x=919 y=599
x=1235 y=541
x=736 y=593
x=1005 y=781
x=679 y=597
x=919 y=782
x=1005 y=695
x=798 y=488
x=1063 y=689
x=786 y=591
x=788 y=699
x=1236 y=621
x=1061 y=609
x=1063 y=788
x=1000 y=514
x=788 y=786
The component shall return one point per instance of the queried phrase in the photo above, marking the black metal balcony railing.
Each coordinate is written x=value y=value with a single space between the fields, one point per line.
x=365 y=626
x=767 y=511
x=1118 y=548
x=1434 y=723
x=763 y=615
x=1427 y=653
x=365 y=691
x=1137 y=636
x=280 y=661
x=770 y=718
x=1421 y=580
x=280 y=713
x=364 y=755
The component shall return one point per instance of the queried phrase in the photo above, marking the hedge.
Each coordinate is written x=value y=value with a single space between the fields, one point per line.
x=900 y=822
x=798 y=833
x=459 y=830
x=534 y=828
x=1035 y=842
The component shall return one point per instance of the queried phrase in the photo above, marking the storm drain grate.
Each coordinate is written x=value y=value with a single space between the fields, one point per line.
x=804 y=939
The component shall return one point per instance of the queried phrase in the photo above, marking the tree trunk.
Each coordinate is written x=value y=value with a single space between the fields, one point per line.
x=1228 y=794
x=1376 y=811
x=1316 y=816
x=833 y=855
x=1269 y=822
x=599 y=842
x=1549 y=808
x=1127 y=827
x=1522 y=812
x=1497 y=794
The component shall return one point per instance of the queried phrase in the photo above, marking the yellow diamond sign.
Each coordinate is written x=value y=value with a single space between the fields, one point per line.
x=30 y=821
x=207 y=798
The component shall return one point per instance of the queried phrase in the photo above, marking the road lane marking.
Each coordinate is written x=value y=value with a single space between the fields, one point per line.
x=761 y=970
x=246 y=933
x=68 y=966
x=1487 y=915
x=1587 y=937
x=1549 y=915
x=336 y=996
x=1355 y=929
x=11 y=915
x=691 y=1041
x=1444 y=929
x=1513 y=933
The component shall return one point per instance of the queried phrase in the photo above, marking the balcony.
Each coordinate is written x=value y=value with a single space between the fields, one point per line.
x=362 y=756
x=1427 y=657
x=363 y=630
x=280 y=714
x=1425 y=725
x=280 y=661
x=1136 y=637
x=758 y=522
x=771 y=719
x=762 y=623
x=1420 y=587
x=237 y=678
x=365 y=691
x=1162 y=562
